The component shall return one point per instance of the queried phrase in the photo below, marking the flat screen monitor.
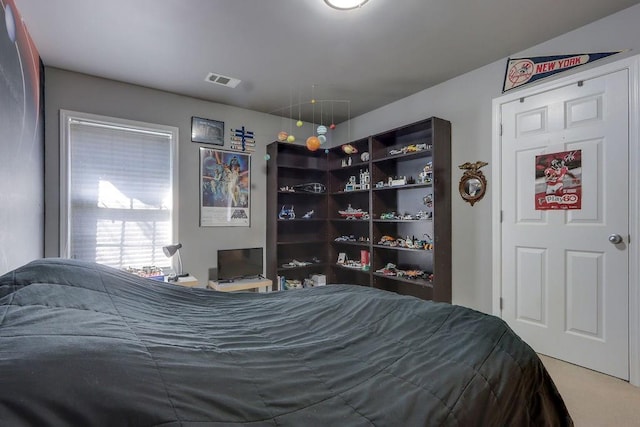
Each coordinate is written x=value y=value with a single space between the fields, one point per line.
x=234 y=264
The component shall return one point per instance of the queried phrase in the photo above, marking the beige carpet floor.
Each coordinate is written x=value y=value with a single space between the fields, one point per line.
x=595 y=399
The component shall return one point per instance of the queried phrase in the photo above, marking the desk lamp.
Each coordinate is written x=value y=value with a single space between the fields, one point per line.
x=170 y=251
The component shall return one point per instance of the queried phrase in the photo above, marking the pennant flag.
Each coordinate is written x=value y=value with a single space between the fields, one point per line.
x=521 y=71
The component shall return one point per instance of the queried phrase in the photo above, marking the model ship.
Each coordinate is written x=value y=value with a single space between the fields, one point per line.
x=351 y=213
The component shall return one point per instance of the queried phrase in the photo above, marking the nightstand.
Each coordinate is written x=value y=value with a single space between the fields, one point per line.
x=189 y=281
x=240 y=285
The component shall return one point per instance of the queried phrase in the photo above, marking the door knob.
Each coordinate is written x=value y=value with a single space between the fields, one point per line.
x=615 y=239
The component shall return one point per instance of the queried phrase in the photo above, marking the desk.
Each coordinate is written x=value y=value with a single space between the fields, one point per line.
x=240 y=285
x=189 y=281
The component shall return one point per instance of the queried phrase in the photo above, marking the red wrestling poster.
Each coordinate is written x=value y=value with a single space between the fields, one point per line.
x=558 y=184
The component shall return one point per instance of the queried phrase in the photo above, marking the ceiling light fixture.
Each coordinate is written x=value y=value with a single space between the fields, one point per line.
x=345 y=4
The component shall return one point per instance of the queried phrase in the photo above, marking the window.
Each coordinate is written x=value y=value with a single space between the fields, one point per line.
x=117 y=189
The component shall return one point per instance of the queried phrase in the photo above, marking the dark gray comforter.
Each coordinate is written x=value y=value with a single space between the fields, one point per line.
x=86 y=345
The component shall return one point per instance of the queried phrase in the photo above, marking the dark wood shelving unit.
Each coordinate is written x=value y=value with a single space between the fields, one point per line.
x=300 y=239
x=363 y=182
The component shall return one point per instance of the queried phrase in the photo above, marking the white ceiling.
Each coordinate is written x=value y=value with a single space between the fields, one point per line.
x=287 y=52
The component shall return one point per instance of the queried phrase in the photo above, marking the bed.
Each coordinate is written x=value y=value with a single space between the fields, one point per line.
x=86 y=345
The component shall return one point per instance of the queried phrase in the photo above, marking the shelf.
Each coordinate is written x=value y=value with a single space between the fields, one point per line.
x=405 y=156
x=414 y=221
x=357 y=270
x=292 y=239
x=402 y=187
x=353 y=166
x=417 y=282
x=302 y=167
x=302 y=267
x=301 y=242
x=298 y=220
x=342 y=193
x=348 y=243
x=400 y=248
x=301 y=193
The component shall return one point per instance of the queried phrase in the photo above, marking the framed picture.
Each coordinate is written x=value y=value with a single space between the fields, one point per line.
x=207 y=131
x=225 y=188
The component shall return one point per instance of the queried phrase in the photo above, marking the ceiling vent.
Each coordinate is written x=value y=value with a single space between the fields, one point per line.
x=222 y=80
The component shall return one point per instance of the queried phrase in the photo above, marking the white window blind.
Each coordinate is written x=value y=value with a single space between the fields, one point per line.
x=119 y=198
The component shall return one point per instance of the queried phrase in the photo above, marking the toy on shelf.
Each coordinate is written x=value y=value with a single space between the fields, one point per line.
x=396 y=181
x=292 y=284
x=424 y=215
x=393 y=216
x=311 y=187
x=295 y=263
x=350 y=238
x=391 y=270
x=388 y=215
x=426 y=176
x=287 y=213
x=412 y=148
x=388 y=270
x=308 y=215
x=351 y=213
x=409 y=242
x=362 y=264
x=363 y=184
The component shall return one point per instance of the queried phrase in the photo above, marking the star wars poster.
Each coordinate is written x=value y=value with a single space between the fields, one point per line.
x=224 y=188
x=558 y=183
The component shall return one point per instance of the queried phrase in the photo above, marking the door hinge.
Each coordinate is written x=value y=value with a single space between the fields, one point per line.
x=500 y=303
x=500 y=129
x=501 y=215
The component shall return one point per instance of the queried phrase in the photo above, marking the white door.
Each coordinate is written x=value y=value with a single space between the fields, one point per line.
x=564 y=283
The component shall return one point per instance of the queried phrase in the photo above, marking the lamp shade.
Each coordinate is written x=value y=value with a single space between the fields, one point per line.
x=170 y=250
x=345 y=4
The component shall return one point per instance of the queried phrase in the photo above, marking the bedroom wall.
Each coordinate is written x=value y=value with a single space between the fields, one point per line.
x=466 y=101
x=80 y=92
x=21 y=144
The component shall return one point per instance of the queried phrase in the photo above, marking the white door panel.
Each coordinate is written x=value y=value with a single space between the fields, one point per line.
x=564 y=285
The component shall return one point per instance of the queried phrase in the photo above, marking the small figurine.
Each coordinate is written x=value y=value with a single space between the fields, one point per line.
x=424 y=215
x=349 y=149
x=351 y=213
x=287 y=213
x=425 y=177
x=308 y=215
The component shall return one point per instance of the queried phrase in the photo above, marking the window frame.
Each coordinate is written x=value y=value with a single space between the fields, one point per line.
x=67 y=117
